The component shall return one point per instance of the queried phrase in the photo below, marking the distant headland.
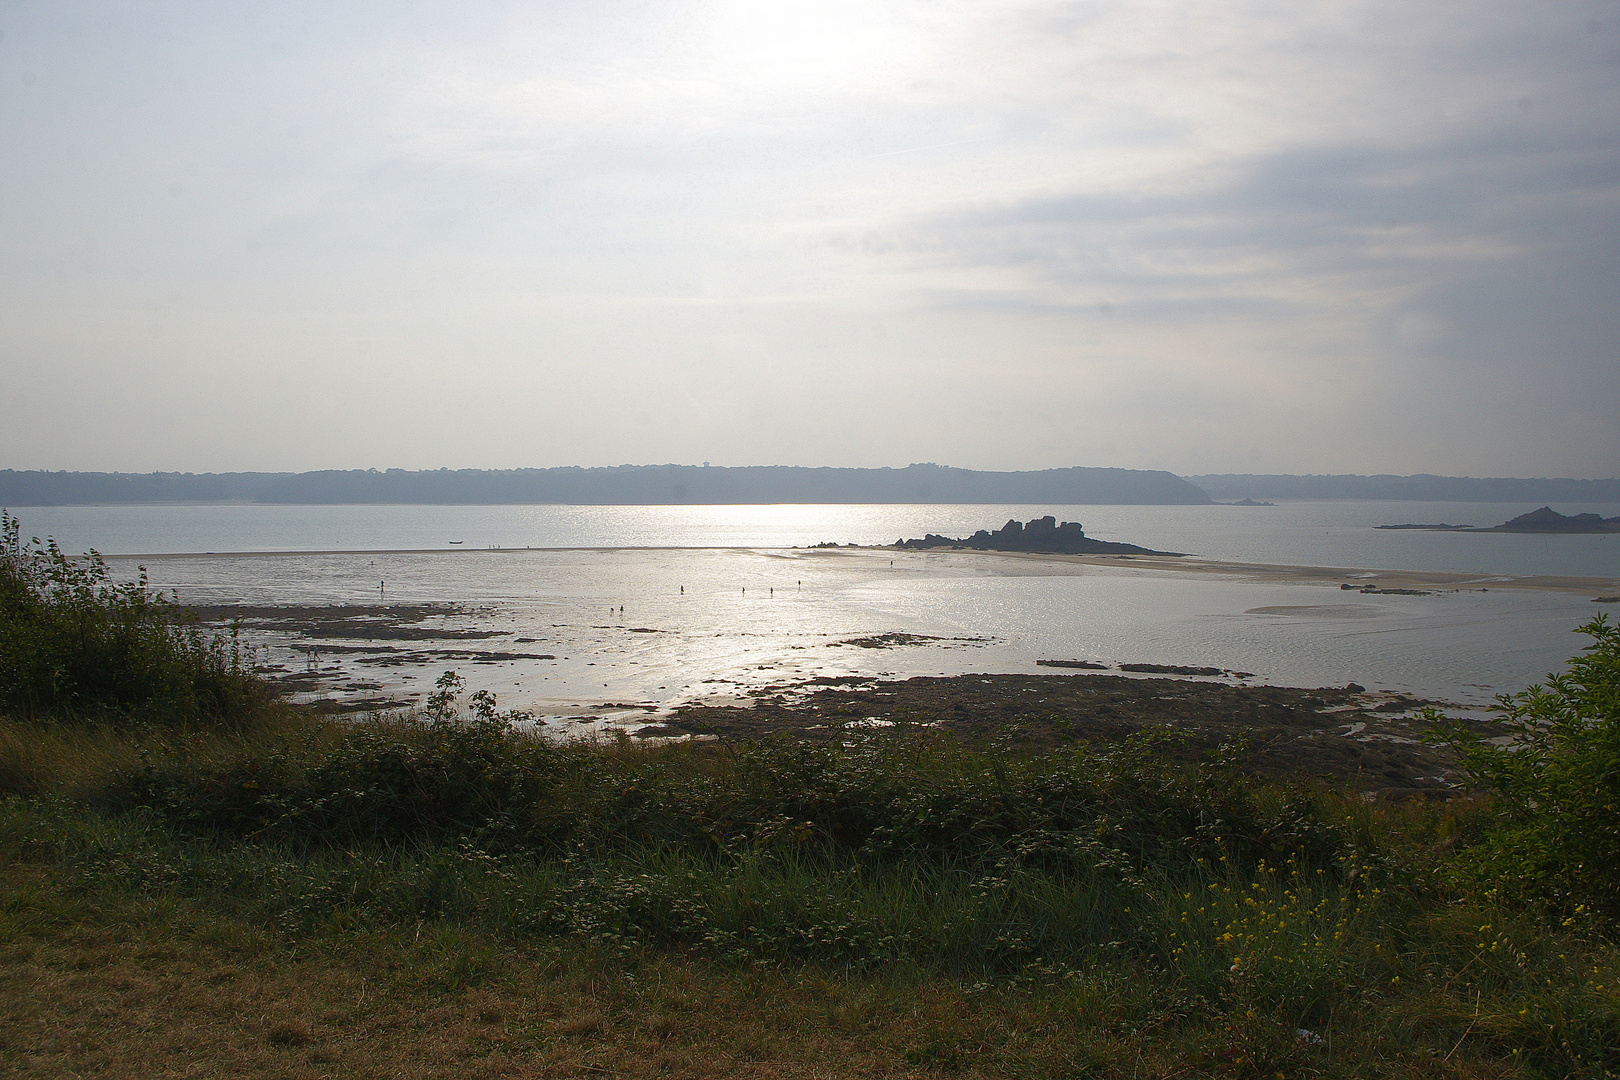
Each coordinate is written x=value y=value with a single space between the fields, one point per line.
x=624 y=484
x=720 y=485
x=1544 y=520
x=1043 y=535
x=1419 y=487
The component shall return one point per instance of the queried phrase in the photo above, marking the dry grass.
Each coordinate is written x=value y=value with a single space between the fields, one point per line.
x=38 y=757
x=164 y=991
x=112 y=985
x=76 y=760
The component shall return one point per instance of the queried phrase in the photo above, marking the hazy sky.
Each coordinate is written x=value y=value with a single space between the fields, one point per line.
x=1204 y=236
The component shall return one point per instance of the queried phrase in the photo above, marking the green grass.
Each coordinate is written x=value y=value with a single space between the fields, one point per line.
x=1061 y=913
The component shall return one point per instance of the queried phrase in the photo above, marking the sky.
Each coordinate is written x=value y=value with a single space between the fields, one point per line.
x=1297 y=236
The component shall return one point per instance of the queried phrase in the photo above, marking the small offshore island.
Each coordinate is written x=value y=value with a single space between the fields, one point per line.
x=1544 y=520
x=1042 y=535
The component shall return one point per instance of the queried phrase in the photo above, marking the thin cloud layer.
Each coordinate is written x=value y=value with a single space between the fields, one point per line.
x=1254 y=236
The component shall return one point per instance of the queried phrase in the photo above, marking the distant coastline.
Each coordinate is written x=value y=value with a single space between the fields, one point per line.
x=700 y=485
x=622 y=485
x=1420 y=487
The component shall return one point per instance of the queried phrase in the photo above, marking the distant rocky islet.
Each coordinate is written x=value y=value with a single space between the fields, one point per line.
x=1043 y=535
x=1544 y=520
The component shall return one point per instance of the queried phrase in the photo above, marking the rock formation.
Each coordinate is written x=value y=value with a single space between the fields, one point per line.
x=1551 y=521
x=1544 y=520
x=1042 y=535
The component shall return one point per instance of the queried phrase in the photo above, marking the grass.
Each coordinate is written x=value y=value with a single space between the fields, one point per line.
x=1301 y=933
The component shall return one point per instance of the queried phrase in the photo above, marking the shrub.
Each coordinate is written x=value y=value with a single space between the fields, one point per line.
x=75 y=644
x=1555 y=835
x=452 y=774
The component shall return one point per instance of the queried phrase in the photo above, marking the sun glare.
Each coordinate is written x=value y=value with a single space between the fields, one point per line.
x=828 y=47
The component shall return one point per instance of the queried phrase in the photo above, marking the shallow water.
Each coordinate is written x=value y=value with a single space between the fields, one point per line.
x=696 y=623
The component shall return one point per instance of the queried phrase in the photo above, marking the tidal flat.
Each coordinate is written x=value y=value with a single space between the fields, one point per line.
x=620 y=638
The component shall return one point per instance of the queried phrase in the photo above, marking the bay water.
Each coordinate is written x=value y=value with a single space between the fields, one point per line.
x=640 y=608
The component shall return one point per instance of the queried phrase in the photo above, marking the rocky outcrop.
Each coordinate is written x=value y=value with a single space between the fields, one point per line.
x=1548 y=520
x=1044 y=535
x=1545 y=520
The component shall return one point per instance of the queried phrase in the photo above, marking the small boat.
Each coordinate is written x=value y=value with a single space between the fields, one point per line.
x=455 y=541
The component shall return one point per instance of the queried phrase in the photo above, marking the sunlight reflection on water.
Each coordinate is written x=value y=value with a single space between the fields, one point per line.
x=702 y=622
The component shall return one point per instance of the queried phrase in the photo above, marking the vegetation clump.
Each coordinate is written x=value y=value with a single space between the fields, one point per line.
x=76 y=645
x=1554 y=781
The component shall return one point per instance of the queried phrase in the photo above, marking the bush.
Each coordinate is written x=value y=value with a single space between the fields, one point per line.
x=74 y=644
x=450 y=775
x=1555 y=835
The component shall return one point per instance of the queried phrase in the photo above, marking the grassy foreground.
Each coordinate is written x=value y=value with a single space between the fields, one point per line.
x=198 y=880
x=443 y=896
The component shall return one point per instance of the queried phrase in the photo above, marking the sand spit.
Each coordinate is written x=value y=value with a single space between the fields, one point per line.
x=1181 y=564
x=1383 y=580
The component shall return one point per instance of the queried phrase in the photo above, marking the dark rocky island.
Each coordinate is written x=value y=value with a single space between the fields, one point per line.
x=1043 y=535
x=1544 y=520
x=1548 y=520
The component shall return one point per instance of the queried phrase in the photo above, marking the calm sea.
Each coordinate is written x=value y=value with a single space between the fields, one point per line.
x=654 y=605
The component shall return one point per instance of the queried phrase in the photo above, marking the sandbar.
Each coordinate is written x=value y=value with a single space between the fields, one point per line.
x=1318 y=575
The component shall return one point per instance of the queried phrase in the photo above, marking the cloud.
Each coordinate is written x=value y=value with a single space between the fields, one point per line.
x=1334 y=235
